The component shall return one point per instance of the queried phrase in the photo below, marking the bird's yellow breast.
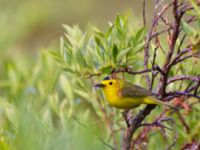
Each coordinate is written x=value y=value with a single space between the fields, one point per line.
x=115 y=99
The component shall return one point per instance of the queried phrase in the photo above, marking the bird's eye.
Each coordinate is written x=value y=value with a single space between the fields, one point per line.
x=110 y=83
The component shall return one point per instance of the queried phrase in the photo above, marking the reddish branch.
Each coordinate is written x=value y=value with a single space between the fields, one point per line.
x=160 y=32
x=129 y=71
x=135 y=124
x=144 y=13
x=171 y=60
x=184 y=93
x=183 y=77
x=187 y=128
x=166 y=67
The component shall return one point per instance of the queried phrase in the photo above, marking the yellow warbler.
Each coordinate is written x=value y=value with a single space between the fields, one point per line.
x=125 y=95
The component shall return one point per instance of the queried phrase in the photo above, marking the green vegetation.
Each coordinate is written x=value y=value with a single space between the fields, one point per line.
x=50 y=103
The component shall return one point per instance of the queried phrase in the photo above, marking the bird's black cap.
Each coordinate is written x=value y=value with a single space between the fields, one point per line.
x=106 y=78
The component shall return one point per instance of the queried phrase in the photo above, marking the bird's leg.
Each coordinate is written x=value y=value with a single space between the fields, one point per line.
x=125 y=116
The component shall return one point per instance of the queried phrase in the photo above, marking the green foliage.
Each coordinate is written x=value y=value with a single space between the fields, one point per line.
x=37 y=108
x=99 y=53
x=43 y=106
x=193 y=33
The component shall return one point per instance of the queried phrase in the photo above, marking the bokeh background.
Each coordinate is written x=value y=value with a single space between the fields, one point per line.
x=27 y=26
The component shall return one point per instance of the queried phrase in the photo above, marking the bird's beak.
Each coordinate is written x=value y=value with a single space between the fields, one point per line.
x=99 y=85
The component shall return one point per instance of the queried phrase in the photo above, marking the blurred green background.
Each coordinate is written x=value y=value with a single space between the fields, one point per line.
x=26 y=26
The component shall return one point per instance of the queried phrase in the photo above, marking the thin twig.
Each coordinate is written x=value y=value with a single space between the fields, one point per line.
x=144 y=12
x=182 y=40
x=195 y=91
x=167 y=66
x=182 y=59
x=178 y=56
x=190 y=89
x=132 y=72
x=153 y=65
x=183 y=77
x=166 y=22
x=187 y=128
x=106 y=144
x=189 y=85
x=158 y=123
x=179 y=93
x=160 y=32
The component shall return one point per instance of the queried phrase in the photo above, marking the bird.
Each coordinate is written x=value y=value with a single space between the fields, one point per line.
x=125 y=95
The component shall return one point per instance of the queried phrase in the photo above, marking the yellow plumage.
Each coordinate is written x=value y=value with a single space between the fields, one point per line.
x=124 y=95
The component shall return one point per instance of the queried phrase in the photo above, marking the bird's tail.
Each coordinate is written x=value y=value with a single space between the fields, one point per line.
x=155 y=101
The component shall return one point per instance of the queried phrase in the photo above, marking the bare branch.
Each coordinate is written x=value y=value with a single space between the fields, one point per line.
x=165 y=8
x=182 y=40
x=158 y=123
x=166 y=22
x=195 y=91
x=160 y=32
x=190 y=89
x=179 y=93
x=92 y=75
x=131 y=72
x=183 y=122
x=167 y=66
x=182 y=59
x=183 y=77
x=178 y=55
x=106 y=144
x=144 y=12
x=135 y=124
x=154 y=74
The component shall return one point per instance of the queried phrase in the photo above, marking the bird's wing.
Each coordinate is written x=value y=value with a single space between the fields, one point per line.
x=131 y=90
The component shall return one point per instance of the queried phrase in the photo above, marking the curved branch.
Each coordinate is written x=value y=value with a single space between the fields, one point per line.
x=183 y=77
x=179 y=93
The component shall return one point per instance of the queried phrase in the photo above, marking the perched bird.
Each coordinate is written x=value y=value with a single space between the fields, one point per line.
x=125 y=95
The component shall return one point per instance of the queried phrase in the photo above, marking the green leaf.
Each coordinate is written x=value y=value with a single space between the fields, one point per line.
x=98 y=32
x=56 y=56
x=188 y=30
x=139 y=37
x=123 y=53
x=109 y=30
x=139 y=47
x=79 y=58
x=121 y=25
x=196 y=7
x=119 y=22
x=106 y=69
x=114 y=52
x=62 y=43
x=74 y=35
x=68 y=69
x=67 y=53
x=67 y=87
x=83 y=94
x=98 y=41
